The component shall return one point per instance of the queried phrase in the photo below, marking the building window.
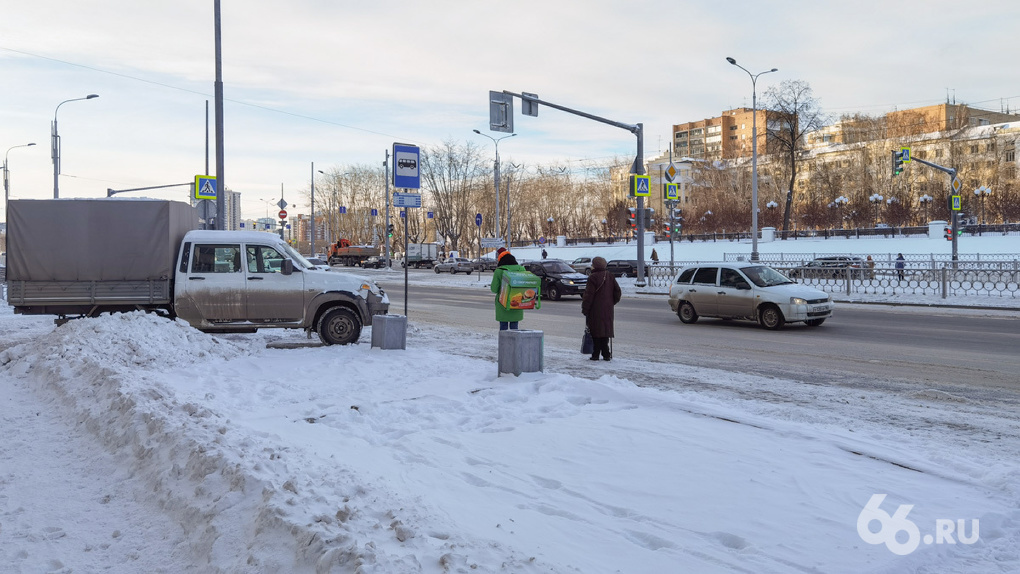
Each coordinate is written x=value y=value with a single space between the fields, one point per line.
x=733 y=127
x=1011 y=155
x=938 y=153
x=990 y=147
x=973 y=149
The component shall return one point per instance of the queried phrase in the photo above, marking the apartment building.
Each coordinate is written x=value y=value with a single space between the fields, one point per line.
x=728 y=136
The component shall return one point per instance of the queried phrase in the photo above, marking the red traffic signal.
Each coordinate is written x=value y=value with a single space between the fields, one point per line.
x=949 y=234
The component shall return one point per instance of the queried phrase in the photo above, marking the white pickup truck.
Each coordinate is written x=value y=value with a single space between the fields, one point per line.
x=80 y=258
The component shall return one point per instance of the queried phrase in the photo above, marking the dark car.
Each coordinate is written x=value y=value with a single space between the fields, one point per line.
x=828 y=267
x=558 y=278
x=374 y=262
x=484 y=264
x=622 y=267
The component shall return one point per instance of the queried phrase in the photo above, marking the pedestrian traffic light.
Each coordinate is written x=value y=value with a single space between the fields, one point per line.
x=949 y=233
x=632 y=217
x=648 y=221
x=897 y=162
x=389 y=230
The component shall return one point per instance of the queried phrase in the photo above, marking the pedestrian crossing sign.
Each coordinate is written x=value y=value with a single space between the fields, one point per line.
x=671 y=194
x=639 y=186
x=205 y=187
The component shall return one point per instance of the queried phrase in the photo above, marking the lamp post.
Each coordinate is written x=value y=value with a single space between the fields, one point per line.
x=925 y=201
x=495 y=142
x=268 y=202
x=754 y=155
x=876 y=200
x=771 y=206
x=841 y=202
x=311 y=233
x=7 y=183
x=55 y=143
x=982 y=192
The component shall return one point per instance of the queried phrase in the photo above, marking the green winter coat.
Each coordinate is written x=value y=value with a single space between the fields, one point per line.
x=503 y=314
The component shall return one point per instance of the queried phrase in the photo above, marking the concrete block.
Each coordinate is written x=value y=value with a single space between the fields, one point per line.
x=389 y=331
x=520 y=351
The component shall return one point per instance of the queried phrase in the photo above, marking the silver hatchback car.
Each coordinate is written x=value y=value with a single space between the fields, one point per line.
x=746 y=291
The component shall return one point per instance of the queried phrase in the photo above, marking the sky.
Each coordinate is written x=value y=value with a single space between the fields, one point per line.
x=338 y=82
x=133 y=443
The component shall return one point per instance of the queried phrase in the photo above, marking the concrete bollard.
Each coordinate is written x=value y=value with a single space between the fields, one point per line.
x=520 y=351
x=389 y=331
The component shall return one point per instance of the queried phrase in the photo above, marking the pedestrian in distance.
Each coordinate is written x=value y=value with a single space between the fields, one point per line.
x=871 y=268
x=899 y=265
x=600 y=296
x=544 y=254
x=508 y=318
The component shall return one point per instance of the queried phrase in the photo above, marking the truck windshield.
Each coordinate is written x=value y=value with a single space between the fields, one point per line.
x=299 y=259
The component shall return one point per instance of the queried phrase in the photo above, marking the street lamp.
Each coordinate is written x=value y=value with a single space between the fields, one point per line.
x=982 y=192
x=7 y=185
x=268 y=202
x=55 y=151
x=876 y=200
x=841 y=202
x=754 y=155
x=495 y=142
x=771 y=206
x=925 y=200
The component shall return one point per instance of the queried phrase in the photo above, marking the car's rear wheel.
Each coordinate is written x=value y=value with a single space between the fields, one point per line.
x=771 y=317
x=339 y=326
x=687 y=313
x=814 y=322
x=588 y=272
x=436 y=269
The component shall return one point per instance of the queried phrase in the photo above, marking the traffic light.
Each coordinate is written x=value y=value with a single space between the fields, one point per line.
x=648 y=221
x=948 y=234
x=897 y=162
x=678 y=213
x=632 y=217
x=389 y=230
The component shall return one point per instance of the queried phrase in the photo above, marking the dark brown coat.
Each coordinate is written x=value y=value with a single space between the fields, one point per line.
x=601 y=294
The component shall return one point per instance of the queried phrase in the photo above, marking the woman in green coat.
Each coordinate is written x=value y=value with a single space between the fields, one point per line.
x=508 y=318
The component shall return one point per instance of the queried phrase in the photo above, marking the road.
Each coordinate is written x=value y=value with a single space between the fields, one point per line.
x=969 y=353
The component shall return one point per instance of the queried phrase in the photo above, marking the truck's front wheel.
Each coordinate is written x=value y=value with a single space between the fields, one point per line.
x=339 y=326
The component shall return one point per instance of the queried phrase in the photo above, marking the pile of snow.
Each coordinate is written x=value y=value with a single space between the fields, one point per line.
x=357 y=459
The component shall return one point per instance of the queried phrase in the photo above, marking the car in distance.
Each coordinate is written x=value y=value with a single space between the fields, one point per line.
x=746 y=291
x=558 y=278
x=828 y=267
x=374 y=262
x=582 y=265
x=455 y=265
x=622 y=267
x=484 y=264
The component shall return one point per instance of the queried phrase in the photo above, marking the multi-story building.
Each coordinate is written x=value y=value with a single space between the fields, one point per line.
x=727 y=136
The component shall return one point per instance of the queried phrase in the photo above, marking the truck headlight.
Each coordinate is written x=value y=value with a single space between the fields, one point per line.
x=797 y=301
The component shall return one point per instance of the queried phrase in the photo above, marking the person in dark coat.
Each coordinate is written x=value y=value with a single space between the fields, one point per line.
x=600 y=295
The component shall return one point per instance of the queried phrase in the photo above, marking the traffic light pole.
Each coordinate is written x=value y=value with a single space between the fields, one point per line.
x=953 y=213
x=637 y=168
x=386 y=166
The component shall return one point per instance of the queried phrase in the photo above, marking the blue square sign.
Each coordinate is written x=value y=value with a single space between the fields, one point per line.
x=406 y=174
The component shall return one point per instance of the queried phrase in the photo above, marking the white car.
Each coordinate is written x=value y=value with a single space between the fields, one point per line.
x=746 y=291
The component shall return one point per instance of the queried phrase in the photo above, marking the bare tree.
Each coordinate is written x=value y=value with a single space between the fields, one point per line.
x=792 y=112
x=450 y=173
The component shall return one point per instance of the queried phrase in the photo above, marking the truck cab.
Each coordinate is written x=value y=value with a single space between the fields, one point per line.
x=241 y=281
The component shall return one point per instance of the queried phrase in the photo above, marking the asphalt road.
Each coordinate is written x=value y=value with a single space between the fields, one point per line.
x=974 y=353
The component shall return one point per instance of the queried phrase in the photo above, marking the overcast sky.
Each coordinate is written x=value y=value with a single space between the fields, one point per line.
x=336 y=82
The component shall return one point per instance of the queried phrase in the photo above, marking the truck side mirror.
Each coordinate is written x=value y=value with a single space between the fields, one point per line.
x=287 y=266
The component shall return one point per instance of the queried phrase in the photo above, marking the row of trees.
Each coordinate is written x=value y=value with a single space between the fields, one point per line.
x=844 y=186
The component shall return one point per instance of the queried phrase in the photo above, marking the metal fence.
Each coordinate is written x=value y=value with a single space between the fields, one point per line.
x=985 y=278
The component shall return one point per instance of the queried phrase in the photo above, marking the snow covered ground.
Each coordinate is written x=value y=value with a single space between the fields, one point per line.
x=136 y=444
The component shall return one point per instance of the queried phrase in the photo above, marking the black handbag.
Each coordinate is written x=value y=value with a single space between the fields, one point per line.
x=587 y=344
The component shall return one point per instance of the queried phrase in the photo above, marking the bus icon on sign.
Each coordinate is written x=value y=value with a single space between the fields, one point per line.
x=407 y=164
